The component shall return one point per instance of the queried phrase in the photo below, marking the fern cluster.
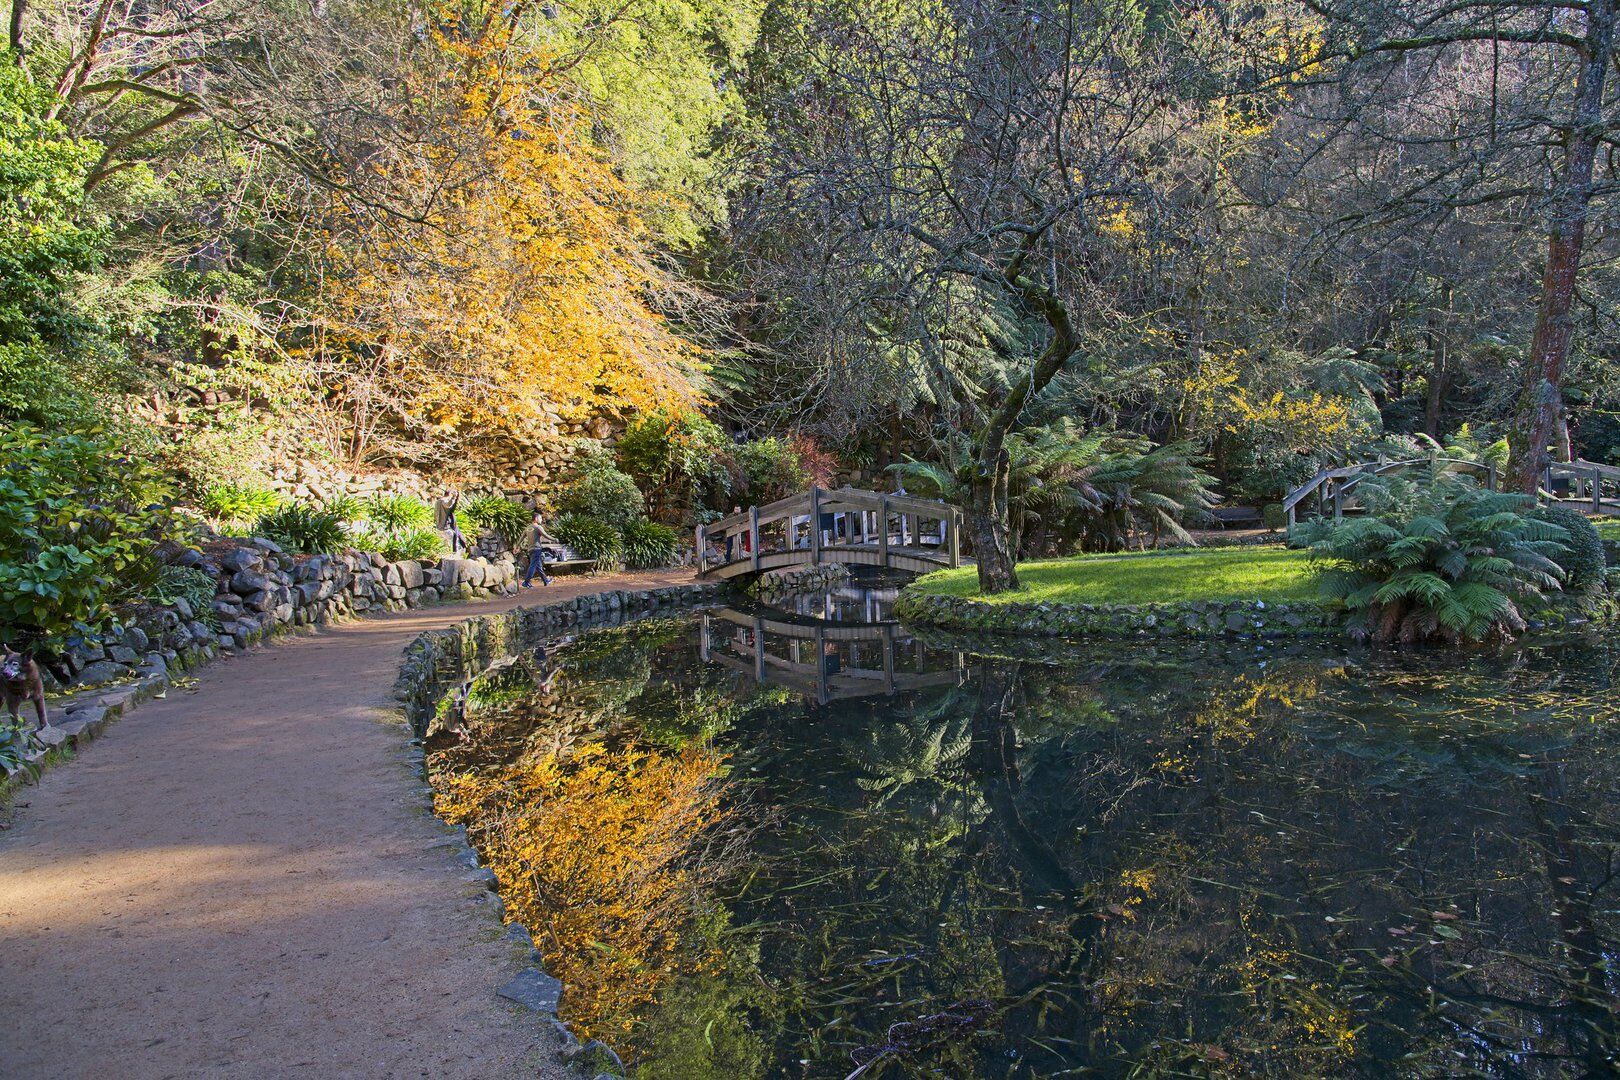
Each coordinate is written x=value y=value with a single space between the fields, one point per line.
x=1441 y=559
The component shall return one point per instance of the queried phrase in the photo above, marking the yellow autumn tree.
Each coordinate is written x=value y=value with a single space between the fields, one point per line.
x=523 y=292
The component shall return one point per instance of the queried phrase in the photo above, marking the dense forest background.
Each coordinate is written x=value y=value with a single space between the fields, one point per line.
x=443 y=237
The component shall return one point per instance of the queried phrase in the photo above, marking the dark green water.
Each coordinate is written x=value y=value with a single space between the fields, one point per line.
x=1133 y=859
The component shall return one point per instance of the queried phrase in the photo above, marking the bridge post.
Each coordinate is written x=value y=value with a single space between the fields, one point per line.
x=815 y=524
x=700 y=538
x=1595 y=478
x=953 y=538
x=883 y=531
x=753 y=536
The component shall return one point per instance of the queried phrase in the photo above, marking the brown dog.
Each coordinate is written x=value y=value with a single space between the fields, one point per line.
x=19 y=679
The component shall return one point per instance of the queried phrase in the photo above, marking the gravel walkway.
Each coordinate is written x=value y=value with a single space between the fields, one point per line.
x=241 y=880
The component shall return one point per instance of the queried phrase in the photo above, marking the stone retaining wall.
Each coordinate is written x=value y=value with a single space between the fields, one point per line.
x=258 y=588
x=1203 y=618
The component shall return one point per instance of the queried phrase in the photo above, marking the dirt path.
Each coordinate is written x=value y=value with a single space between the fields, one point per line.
x=240 y=880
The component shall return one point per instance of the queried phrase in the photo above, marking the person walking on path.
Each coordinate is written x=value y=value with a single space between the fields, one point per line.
x=533 y=539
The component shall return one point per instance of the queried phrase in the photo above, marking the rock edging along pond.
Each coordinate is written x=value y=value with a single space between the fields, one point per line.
x=1194 y=618
x=438 y=660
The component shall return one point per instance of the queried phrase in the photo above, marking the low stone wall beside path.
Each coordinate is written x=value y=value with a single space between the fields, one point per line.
x=258 y=589
x=1199 y=618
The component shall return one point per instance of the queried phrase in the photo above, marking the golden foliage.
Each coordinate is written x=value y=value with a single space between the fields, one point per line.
x=528 y=293
x=599 y=855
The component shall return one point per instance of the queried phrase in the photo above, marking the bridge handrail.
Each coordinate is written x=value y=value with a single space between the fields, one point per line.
x=1360 y=471
x=835 y=501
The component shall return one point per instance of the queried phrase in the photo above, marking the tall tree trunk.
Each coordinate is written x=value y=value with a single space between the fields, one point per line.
x=987 y=512
x=1536 y=418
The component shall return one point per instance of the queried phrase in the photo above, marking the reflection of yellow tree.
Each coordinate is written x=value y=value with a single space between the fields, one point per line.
x=600 y=855
x=1233 y=709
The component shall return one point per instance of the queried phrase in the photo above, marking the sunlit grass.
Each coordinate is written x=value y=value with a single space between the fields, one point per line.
x=1272 y=574
x=1608 y=528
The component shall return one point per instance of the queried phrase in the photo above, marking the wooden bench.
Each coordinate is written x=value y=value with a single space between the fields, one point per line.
x=1242 y=517
x=568 y=560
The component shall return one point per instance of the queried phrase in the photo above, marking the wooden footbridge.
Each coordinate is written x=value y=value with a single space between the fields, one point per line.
x=826 y=661
x=1584 y=483
x=856 y=528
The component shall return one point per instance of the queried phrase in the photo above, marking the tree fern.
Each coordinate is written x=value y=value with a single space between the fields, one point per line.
x=1438 y=557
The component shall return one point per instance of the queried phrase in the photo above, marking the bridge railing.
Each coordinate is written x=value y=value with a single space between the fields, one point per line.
x=823 y=522
x=1331 y=486
x=1584 y=481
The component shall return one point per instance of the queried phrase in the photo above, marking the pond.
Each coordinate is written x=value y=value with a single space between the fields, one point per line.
x=858 y=852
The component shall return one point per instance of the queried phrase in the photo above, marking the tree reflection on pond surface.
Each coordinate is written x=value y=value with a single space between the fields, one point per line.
x=1131 y=859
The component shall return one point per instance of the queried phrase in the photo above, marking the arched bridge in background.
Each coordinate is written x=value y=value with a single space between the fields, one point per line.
x=1586 y=484
x=846 y=525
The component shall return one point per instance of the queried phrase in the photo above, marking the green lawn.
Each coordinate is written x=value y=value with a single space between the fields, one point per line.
x=1271 y=574
x=1608 y=528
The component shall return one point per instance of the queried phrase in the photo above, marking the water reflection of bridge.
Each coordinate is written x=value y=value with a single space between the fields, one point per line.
x=826 y=661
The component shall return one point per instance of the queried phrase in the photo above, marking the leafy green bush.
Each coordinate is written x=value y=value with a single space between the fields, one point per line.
x=420 y=543
x=678 y=458
x=345 y=507
x=599 y=490
x=304 y=530
x=493 y=513
x=75 y=512
x=1582 y=558
x=590 y=538
x=1442 y=559
x=236 y=507
x=396 y=513
x=772 y=469
x=1273 y=516
x=648 y=545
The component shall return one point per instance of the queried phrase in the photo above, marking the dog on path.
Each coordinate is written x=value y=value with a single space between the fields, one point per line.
x=19 y=681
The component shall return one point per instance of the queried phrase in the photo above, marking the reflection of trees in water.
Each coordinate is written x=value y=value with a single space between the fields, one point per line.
x=606 y=855
x=1149 y=863
x=1219 y=873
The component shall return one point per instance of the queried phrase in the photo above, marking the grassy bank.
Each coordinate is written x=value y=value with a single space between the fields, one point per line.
x=1271 y=574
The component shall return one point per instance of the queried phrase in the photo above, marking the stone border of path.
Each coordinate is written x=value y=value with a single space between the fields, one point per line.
x=438 y=659
x=259 y=590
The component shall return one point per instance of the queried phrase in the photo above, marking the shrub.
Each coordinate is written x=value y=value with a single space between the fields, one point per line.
x=590 y=538
x=396 y=513
x=1274 y=516
x=493 y=513
x=304 y=529
x=236 y=507
x=599 y=490
x=1444 y=559
x=678 y=458
x=771 y=470
x=75 y=513
x=418 y=543
x=345 y=507
x=648 y=545
x=1582 y=559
